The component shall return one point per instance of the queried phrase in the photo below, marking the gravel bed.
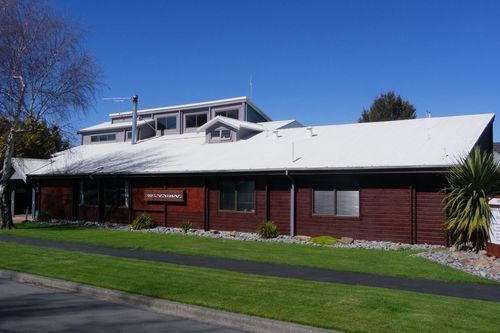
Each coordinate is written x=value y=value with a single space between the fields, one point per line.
x=344 y=242
x=471 y=262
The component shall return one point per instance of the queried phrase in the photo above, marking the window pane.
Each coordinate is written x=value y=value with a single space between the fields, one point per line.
x=167 y=123
x=129 y=135
x=232 y=114
x=201 y=119
x=216 y=134
x=89 y=193
x=323 y=202
x=246 y=196
x=225 y=134
x=229 y=114
x=348 y=203
x=161 y=123
x=227 y=196
x=190 y=121
x=171 y=123
x=115 y=193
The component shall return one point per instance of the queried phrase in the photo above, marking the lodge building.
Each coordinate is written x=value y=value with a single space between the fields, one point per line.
x=226 y=165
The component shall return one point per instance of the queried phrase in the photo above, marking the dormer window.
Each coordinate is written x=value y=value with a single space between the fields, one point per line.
x=223 y=134
x=223 y=129
x=220 y=134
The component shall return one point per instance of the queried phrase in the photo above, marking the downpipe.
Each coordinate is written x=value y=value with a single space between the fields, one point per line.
x=292 y=203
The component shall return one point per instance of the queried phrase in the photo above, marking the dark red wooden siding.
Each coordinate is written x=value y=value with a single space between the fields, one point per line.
x=170 y=214
x=56 y=199
x=391 y=208
x=430 y=218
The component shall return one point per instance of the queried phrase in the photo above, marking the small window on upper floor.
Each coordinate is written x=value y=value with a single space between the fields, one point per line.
x=195 y=120
x=229 y=114
x=103 y=138
x=220 y=134
x=167 y=123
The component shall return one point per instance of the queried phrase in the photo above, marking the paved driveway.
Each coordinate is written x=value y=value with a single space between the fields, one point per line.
x=26 y=308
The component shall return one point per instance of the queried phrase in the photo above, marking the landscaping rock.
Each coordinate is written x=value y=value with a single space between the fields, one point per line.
x=303 y=238
x=346 y=240
x=468 y=261
x=483 y=262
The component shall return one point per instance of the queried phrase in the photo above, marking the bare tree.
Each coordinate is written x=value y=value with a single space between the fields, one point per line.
x=44 y=74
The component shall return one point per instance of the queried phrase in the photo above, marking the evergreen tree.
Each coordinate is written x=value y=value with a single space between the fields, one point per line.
x=35 y=140
x=388 y=106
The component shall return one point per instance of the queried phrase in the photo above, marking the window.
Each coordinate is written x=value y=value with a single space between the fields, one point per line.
x=115 y=193
x=221 y=134
x=334 y=202
x=195 y=120
x=89 y=193
x=229 y=114
x=167 y=123
x=237 y=196
x=103 y=137
x=129 y=135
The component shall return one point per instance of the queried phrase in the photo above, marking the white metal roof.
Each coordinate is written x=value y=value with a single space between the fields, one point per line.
x=24 y=166
x=114 y=126
x=419 y=143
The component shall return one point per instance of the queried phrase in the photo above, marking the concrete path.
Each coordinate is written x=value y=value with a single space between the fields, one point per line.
x=463 y=290
x=26 y=308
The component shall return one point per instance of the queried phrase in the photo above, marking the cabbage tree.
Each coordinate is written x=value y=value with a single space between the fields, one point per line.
x=471 y=182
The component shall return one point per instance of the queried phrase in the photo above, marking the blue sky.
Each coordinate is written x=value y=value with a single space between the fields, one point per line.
x=320 y=62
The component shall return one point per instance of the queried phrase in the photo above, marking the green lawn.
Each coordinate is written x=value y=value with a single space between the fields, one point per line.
x=342 y=307
x=395 y=263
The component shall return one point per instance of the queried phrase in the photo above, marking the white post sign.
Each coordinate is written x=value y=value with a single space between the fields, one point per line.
x=495 y=221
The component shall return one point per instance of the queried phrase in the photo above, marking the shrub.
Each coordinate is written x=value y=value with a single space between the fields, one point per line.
x=468 y=214
x=324 y=240
x=268 y=229
x=185 y=226
x=143 y=221
x=43 y=217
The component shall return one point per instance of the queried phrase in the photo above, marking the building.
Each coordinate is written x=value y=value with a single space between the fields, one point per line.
x=226 y=165
x=496 y=152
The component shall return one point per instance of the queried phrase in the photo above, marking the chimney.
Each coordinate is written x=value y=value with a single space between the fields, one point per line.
x=135 y=100
x=276 y=134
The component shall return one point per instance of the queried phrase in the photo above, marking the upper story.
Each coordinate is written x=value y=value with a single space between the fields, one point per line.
x=179 y=119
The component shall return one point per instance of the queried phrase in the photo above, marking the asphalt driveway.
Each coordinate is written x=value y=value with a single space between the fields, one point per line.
x=26 y=308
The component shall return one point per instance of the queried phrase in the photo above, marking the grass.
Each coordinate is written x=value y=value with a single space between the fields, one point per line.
x=341 y=307
x=394 y=263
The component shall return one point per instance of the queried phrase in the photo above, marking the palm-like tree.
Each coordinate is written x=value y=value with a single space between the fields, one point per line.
x=470 y=183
